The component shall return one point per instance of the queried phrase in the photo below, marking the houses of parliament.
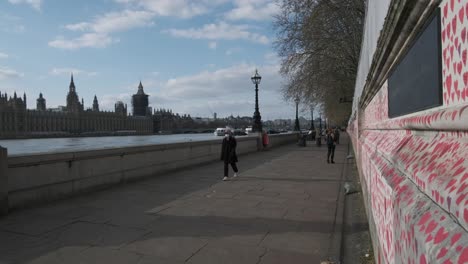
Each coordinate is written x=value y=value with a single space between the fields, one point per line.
x=17 y=121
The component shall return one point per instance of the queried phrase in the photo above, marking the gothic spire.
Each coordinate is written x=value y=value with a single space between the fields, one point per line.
x=72 y=84
x=140 y=89
x=95 y=104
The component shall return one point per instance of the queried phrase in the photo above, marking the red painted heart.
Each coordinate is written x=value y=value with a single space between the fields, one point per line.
x=461 y=14
x=459 y=67
x=465 y=78
x=448 y=83
x=449 y=30
x=464 y=57
x=463 y=35
x=466 y=10
x=454 y=25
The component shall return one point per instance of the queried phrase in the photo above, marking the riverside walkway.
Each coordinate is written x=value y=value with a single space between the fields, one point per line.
x=285 y=207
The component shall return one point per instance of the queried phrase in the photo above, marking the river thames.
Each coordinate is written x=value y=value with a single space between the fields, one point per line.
x=53 y=145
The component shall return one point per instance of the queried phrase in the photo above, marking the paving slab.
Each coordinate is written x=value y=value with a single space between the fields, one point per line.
x=282 y=256
x=281 y=209
x=170 y=247
x=227 y=253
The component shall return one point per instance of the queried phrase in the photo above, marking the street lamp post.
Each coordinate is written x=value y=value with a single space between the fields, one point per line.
x=318 y=137
x=257 y=124
x=312 y=127
x=296 y=124
x=320 y=123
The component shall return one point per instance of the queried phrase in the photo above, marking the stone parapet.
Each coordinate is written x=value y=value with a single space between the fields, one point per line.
x=3 y=181
x=50 y=176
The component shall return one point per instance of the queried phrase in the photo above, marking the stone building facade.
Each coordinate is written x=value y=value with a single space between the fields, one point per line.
x=165 y=121
x=18 y=121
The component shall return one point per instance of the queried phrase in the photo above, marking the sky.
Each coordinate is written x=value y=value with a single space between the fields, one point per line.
x=192 y=56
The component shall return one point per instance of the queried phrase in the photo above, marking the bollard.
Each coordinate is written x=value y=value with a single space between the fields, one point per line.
x=3 y=181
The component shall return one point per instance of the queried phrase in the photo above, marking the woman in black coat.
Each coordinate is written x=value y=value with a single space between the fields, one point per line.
x=331 y=143
x=228 y=154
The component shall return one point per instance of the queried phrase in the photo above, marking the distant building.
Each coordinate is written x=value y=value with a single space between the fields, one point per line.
x=73 y=102
x=40 y=103
x=120 y=108
x=17 y=121
x=60 y=108
x=140 y=102
x=95 y=104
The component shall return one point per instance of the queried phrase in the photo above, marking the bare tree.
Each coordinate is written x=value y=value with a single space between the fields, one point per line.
x=319 y=43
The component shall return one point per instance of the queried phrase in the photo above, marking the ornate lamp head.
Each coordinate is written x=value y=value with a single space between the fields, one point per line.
x=256 y=78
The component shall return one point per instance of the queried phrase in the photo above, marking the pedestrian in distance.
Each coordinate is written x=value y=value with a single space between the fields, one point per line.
x=265 y=139
x=337 y=135
x=331 y=143
x=312 y=134
x=228 y=153
x=318 y=138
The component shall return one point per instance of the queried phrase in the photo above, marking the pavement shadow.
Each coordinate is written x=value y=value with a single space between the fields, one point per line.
x=109 y=216
x=123 y=218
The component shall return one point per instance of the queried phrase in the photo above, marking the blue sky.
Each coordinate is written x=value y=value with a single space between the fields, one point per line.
x=192 y=56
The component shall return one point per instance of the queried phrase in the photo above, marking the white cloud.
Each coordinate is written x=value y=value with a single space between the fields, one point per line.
x=68 y=71
x=88 y=40
x=107 y=102
x=36 y=4
x=98 y=30
x=177 y=8
x=221 y=30
x=3 y=55
x=253 y=10
x=10 y=23
x=213 y=45
x=6 y=73
x=218 y=83
x=114 y=22
x=231 y=51
x=225 y=91
x=272 y=58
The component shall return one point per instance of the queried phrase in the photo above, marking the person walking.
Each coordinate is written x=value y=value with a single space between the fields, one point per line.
x=228 y=153
x=265 y=139
x=337 y=135
x=331 y=143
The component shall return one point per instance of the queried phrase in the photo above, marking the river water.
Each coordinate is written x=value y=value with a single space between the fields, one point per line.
x=53 y=145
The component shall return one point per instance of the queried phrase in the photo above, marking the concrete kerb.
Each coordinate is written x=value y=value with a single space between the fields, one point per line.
x=335 y=249
x=3 y=181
